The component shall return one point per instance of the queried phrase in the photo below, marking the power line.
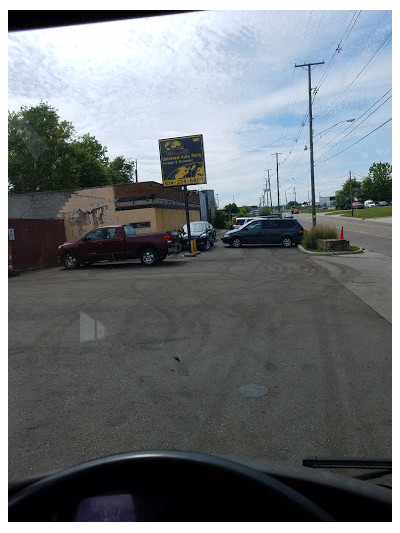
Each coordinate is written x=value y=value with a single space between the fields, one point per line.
x=325 y=74
x=316 y=33
x=358 y=125
x=358 y=75
x=359 y=140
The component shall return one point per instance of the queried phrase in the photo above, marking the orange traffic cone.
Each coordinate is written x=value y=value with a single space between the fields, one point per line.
x=341 y=235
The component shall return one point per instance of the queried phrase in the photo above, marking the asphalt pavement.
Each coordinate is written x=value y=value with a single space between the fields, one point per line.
x=368 y=275
x=259 y=352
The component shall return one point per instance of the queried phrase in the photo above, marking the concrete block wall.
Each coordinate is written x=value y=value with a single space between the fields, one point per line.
x=39 y=205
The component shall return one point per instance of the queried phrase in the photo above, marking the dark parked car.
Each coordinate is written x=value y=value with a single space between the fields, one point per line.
x=202 y=231
x=382 y=203
x=267 y=231
x=357 y=205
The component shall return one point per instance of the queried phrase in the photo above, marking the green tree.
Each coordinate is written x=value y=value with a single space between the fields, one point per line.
x=220 y=220
x=381 y=176
x=244 y=211
x=121 y=171
x=367 y=189
x=265 y=211
x=37 y=143
x=91 y=162
x=343 y=196
x=231 y=208
x=45 y=155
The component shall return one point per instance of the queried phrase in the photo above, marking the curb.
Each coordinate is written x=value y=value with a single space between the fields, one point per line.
x=328 y=254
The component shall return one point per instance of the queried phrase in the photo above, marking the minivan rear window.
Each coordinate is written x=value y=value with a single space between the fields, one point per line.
x=286 y=223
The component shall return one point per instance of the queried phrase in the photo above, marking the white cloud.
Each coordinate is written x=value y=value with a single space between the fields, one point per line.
x=229 y=75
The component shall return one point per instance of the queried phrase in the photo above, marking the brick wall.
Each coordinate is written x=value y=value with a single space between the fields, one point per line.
x=148 y=188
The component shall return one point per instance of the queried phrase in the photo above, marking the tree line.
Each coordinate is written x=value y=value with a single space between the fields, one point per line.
x=45 y=154
x=377 y=186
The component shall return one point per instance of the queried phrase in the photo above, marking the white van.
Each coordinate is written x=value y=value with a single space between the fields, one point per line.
x=240 y=221
x=369 y=203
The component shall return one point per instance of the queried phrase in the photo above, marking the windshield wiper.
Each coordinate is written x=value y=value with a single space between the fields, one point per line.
x=317 y=462
x=383 y=467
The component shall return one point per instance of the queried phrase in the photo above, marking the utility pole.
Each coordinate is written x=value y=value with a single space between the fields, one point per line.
x=309 y=65
x=270 y=193
x=268 y=187
x=136 y=176
x=351 y=194
x=277 y=178
x=294 y=190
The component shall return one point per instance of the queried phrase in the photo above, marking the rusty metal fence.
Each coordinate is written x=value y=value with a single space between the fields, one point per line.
x=33 y=243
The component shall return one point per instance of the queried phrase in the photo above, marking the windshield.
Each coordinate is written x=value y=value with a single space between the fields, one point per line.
x=234 y=348
x=195 y=227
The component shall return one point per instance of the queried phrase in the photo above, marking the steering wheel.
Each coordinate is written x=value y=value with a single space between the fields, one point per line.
x=166 y=486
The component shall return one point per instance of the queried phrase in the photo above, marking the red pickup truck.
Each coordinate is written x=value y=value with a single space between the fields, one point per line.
x=118 y=243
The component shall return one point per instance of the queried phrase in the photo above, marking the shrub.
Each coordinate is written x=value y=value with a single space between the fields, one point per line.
x=220 y=221
x=310 y=238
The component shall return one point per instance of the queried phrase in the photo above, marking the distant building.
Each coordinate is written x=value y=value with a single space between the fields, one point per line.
x=326 y=201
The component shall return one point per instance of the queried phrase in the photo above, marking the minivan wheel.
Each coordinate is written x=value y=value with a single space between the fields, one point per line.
x=236 y=242
x=287 y=242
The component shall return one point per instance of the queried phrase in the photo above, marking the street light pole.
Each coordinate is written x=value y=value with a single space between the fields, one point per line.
x=314 y=214
x=330 y=127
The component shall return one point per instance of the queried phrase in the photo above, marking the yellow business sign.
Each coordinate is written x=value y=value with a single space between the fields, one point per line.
x=182 y=161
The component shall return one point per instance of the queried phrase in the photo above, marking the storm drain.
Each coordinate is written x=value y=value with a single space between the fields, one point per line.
x=253 y=390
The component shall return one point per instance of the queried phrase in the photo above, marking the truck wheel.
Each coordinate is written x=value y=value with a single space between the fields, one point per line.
x=149 y=257
x=71 y=260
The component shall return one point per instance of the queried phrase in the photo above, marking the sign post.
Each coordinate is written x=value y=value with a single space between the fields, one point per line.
x=183 y=164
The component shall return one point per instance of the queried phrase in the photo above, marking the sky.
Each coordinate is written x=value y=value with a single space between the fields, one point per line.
x=229 y=75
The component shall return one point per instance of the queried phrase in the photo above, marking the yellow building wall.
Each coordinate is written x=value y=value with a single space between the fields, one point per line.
x=174 y=219
x=87 y=209
x=147 y=214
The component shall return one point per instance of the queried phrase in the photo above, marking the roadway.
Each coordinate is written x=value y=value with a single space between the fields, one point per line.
x=372 y=234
